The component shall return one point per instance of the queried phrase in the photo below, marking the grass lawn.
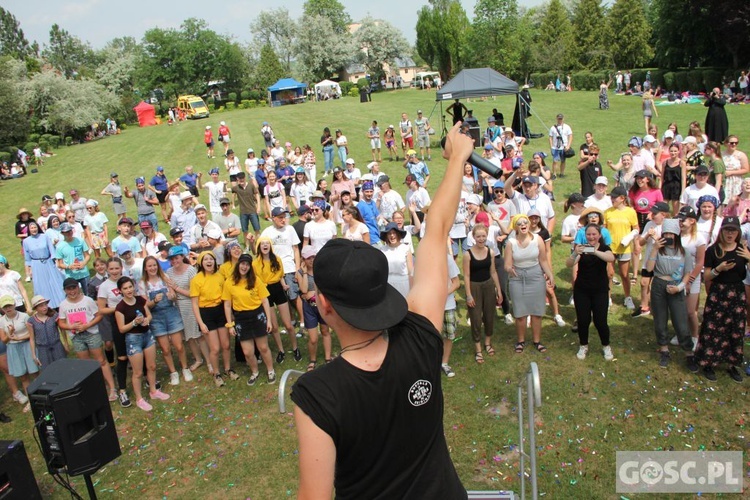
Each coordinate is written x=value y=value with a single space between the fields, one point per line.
x=233 y=441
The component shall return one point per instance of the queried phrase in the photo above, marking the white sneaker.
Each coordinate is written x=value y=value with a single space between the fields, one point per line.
x=20 y=397
x=608 y=353
x=695 y=343
x=187 y=375
x=509 y=319
x=174 y=378
x=28 y=279
x=559 y=320
x=629 y=303
x=582 y=352
x=674 y=341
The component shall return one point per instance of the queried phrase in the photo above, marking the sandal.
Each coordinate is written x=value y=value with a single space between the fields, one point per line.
x=540 y=347
x=196 y=365
x=479 y=358
x=520 y=347
x=490 y=350
x=311 y=365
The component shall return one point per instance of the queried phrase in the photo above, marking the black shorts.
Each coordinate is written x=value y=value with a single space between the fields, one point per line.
x=646 y=274
x=162 y=197
x=250 y=325
x=213 y=317
x=194 y=191
x=277 y=294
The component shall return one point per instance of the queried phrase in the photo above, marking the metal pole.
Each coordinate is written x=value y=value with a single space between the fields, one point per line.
x=532 y=434
x=90 y=486
x=521 y=451
x=282 y=388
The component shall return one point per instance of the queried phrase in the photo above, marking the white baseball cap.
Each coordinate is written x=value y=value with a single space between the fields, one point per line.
x=601 y=180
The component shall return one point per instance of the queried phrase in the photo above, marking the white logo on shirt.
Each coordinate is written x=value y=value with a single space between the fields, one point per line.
x=420 y=392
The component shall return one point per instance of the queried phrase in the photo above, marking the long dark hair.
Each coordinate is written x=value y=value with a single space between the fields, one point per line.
x=237 y=277
x=275 y=265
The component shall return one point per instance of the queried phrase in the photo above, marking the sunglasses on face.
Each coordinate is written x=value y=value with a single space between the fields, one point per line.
x=733 y=143
x=593 y=154
x=314 y=210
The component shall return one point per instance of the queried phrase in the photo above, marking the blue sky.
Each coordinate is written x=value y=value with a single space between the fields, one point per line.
x=98 y=21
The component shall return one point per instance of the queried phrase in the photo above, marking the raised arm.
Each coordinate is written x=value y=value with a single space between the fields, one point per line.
x=427 y=296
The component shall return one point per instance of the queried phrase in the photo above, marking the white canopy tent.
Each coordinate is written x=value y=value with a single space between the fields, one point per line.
x=328 y=87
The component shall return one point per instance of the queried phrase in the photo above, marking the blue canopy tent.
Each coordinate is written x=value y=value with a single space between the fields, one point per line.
x=286 y=91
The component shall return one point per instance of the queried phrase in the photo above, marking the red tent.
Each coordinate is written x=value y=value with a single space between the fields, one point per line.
x=146 y=114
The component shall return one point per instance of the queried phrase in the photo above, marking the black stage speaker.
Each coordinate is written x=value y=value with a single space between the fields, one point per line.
x=16 y=477
x=474 y=130
x=73 y=418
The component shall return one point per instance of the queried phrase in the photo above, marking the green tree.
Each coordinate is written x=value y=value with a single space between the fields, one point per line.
x=68 y=53
x=591 y=35
x=333 y=10
x=277 y=28
x=185 y=60
x=321 y=51
x=555 y=44
x=13 y=42
x=380 y=43
x=63 y=105
x=631 y=33
x=14 y=128
x=269 y=69
x=527 y=57
x=441 y=35
x=493 y=41
x=116 y=69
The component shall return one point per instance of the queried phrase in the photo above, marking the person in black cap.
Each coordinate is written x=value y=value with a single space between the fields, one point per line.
x=389 y=369
x=701 y=188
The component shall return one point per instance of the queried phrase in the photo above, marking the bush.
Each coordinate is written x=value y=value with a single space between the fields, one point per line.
x=68 y=140
x=681 y=81
x=255 y=95
x=232 y=96
x=657 y=78
x=363 y=82
x=5 y=156
x=29 y=148
x=12 y=150
x=670 y=81
x=245 y=95
x=711 y=78
x=45 y=146
x=54 y=141
x=263 y=102
x=123 y=126
x=695 y=80
x=231 y=105
x=345 y=87
x=34 y=137
x=353 y=92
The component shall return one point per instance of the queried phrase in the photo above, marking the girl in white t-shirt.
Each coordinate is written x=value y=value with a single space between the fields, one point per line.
x=274 y=193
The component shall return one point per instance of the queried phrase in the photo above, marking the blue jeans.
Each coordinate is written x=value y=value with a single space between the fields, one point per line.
x=136 y=343
x=151 y=218
x=249 y=219
x=328 y=155
x=342 y=156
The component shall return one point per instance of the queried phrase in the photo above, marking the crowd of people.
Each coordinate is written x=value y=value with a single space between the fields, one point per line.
x=190 y=275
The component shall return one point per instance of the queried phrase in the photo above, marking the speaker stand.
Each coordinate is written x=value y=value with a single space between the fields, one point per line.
x=90 y=486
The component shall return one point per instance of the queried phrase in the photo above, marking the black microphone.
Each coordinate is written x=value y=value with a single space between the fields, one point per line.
x=481 y=163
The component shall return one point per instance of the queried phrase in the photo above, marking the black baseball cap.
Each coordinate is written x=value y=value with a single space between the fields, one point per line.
x=353 y=276
x=659 y=206
x=687 y=212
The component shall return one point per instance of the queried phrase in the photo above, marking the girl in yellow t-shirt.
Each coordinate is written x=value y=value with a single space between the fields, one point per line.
x=206 y=289
x=232 y=252
x=248 y=315
x=268 y=268
x=622 y=223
